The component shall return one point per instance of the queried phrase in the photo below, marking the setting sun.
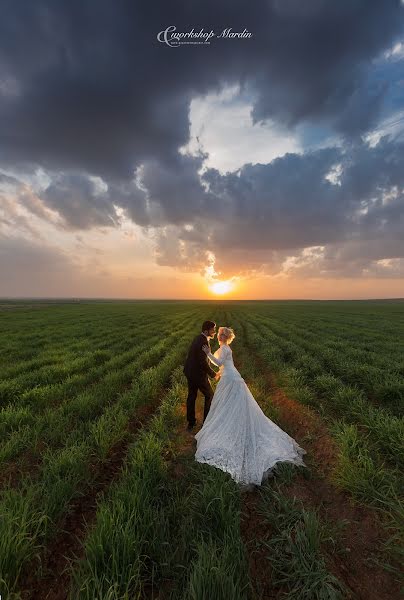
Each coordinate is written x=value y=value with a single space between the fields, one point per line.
x=221 y=287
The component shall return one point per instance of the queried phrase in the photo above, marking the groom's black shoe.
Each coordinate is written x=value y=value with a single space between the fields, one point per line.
x=191 y=426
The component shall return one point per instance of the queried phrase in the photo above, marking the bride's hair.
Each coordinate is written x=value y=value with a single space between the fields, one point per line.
x=228 y=333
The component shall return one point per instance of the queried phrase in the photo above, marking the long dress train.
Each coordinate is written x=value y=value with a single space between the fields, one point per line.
x=236 y=436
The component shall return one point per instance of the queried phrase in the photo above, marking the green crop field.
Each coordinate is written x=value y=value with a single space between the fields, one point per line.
x=100 y=496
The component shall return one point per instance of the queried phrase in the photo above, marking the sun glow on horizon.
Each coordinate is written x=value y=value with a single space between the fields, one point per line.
x=221 y=287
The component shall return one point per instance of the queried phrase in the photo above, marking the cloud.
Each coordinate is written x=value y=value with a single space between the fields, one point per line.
x=13 y=219
x=221 y=124
x=253 y=220
x=77 y=199
x=103 y=109
x=94 y=90
x=267 y=213
x=29 y=268
x=357 y=259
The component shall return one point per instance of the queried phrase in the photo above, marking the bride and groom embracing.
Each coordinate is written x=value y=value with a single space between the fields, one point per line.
x=236 y=436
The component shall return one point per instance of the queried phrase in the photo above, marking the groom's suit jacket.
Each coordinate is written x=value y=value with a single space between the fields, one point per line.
x=196 y=366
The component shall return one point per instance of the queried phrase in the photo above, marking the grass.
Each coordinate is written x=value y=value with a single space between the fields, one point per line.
x=296 y=551
x=71 y=377
x=66 y=470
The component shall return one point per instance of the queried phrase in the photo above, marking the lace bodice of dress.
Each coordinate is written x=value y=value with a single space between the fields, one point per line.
x=223 y=358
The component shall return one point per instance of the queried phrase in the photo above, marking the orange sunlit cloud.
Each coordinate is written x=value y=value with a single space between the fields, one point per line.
x=119 y=263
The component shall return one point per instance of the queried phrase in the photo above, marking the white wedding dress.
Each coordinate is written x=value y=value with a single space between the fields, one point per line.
x=236 y=436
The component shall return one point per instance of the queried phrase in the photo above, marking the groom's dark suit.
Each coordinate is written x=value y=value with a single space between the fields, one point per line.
x=197 y=370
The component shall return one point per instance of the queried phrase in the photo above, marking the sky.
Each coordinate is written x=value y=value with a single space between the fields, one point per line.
x=192 y=150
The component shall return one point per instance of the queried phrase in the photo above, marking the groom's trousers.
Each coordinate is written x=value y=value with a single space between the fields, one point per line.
x=193 y=387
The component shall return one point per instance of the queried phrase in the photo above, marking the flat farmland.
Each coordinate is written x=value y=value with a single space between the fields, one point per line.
x=100 y=496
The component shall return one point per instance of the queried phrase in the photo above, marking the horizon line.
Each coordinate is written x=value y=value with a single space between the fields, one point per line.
x=76 y=298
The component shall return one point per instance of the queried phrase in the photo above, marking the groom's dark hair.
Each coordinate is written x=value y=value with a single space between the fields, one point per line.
x=206 y=325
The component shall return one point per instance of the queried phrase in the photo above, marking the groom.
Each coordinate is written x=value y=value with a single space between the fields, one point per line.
x=197 y=370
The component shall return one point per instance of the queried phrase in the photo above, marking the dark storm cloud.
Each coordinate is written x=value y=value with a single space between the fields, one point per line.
x=165 y=193
x=6 y=180
x=76 y=198
x=88 y=86
x=284 y=204
x=256 y=217
x=322 y=71
x=267 y=212
x=86 y=89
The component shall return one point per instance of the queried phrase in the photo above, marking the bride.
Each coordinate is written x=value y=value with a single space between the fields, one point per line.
x=236 y=436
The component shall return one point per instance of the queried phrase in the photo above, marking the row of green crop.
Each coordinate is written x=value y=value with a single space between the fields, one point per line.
x=328 y=341
x=328 y=344
x=24 y=337
x=77 y=409
x=21 y=346
x=313 y=358
x=55 y=355
x=68 y=361
x=338 y=398
x=54 y=426
x=383 y=344
x=335 y=397
x=31 y=511
x=385 y=388
x=381 y=351
x=357 y=472
x=181 y=538
x=297 y=542
x=156 y=534
x=378 y=350
x=13 y=389
x=362 y=468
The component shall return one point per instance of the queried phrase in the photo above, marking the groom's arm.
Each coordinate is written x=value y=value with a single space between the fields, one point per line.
x=203 y=361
